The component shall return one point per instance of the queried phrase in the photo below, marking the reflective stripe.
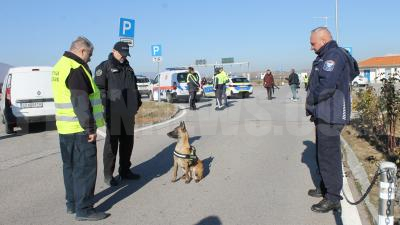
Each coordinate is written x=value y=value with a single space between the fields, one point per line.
x=98 y=115
x=74 y=118
x=95 y=102
x=67 y=118
x=63 y=105
x=69 y=105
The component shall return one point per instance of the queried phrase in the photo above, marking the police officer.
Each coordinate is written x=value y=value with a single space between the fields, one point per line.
x=193 y=84
x=219 y=83
x=225 y=80
x=121 y=100
x=328 y=104
x=78 y=114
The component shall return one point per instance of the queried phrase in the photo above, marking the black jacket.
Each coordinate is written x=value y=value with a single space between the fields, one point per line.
x=294 y=79
x=328 y=96
x=119 y=93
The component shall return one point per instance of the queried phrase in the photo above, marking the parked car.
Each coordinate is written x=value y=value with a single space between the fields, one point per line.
x=360 y=81
x=144 y=85
x=27 y=97
x=239 y=86
x=172 y=86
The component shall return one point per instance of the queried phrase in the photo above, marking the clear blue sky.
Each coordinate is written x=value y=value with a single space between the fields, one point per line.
x=268 y=34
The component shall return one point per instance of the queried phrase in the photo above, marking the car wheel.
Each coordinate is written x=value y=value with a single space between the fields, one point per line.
x=355 y=84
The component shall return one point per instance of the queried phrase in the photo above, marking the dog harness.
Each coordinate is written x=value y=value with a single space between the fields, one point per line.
x=192 y=157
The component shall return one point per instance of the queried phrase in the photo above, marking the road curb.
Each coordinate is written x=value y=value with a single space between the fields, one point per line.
x=360 y=175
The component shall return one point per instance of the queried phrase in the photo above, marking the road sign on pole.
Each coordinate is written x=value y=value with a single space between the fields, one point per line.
x=227 y=60
x=129 y=41
x=349 y=49
x=157 y=59
x=156 y=50
x=127 y=28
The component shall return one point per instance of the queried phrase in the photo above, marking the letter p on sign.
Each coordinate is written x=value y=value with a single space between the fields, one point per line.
x=156 y=50
x=126 y=28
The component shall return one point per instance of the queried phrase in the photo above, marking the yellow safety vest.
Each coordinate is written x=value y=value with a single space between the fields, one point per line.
x=66 y=120
x=226 y=77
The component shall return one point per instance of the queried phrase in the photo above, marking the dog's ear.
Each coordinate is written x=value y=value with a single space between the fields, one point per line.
x=183 y=126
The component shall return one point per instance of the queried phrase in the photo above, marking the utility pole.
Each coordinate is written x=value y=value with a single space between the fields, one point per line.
x=337 y=23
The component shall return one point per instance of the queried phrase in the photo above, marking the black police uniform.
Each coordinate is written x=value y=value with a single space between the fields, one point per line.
x=121 y=101
x=193 y=85
x=328 y=103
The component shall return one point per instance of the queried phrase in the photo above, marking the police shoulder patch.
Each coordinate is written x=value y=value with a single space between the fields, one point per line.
x=99 y=72
x=329 y=65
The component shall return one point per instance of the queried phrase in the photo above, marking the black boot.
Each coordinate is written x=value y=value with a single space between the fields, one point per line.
x=326 y=205
x=316 y=193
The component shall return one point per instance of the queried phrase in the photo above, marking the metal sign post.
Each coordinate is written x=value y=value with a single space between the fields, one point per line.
x=156 y=53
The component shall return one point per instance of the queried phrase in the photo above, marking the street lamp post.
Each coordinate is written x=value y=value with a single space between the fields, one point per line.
x=337 y=24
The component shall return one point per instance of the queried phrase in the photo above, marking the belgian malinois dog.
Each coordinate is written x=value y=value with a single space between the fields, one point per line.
x=185 y=156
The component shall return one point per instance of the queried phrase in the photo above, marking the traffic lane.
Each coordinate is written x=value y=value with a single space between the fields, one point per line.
x=246 y=182
x=253 y=175
x=27 y=144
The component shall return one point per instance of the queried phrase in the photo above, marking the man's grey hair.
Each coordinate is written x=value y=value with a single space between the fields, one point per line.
x=322 y=30
x=81 y=42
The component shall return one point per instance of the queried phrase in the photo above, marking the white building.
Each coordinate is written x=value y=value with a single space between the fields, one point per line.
x=377 y=68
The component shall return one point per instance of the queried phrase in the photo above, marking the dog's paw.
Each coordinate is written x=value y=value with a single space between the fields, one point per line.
x=174 y=180
x=187 y=181
x=197 y=181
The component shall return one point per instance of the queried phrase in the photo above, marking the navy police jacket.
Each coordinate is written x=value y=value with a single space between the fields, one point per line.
x=328 y=96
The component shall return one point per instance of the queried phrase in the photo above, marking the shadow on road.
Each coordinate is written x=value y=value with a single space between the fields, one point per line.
x=309 y=157
x=155 y=167
x=210 y=220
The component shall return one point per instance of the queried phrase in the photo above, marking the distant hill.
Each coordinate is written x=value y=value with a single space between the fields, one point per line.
x=3 y=71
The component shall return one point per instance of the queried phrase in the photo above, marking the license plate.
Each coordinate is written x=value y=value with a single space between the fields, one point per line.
x=32 y=105
x=142 y=88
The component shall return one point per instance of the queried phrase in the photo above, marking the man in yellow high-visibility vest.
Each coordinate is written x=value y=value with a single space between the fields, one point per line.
x=78 y=114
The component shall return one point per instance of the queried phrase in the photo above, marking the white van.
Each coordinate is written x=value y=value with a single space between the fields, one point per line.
x=173 y=85
x=27 y=97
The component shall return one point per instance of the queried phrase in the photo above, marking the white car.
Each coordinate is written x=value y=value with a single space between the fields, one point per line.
x=172 y=86
x=144 y=85
x=27 y=97
x=360 y=81
x=239 y=86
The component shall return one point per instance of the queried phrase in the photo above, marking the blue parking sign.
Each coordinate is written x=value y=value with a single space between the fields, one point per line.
x=349 y=49
x=126 y=27
x=156 y=50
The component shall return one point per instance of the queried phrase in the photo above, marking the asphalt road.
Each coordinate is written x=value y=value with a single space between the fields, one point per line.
x=259 y=157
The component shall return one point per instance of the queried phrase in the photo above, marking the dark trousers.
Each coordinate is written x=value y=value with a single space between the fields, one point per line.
x=329 y=159
x=224 y=95
x=80 y=170
x=269 y=92
x=192 y=99
x=218 y=96
x=125 y=144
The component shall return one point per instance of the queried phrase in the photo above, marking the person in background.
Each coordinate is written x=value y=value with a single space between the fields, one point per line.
x=219 y=82
x=225 y=81
x=193 y=85
x=294 y=83
x=306 y=82
x=121 y=100
x=269 y=83
x=78 y=114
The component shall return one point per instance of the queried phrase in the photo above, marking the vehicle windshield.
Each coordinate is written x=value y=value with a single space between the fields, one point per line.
x=142 y=80
x=240 y=80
